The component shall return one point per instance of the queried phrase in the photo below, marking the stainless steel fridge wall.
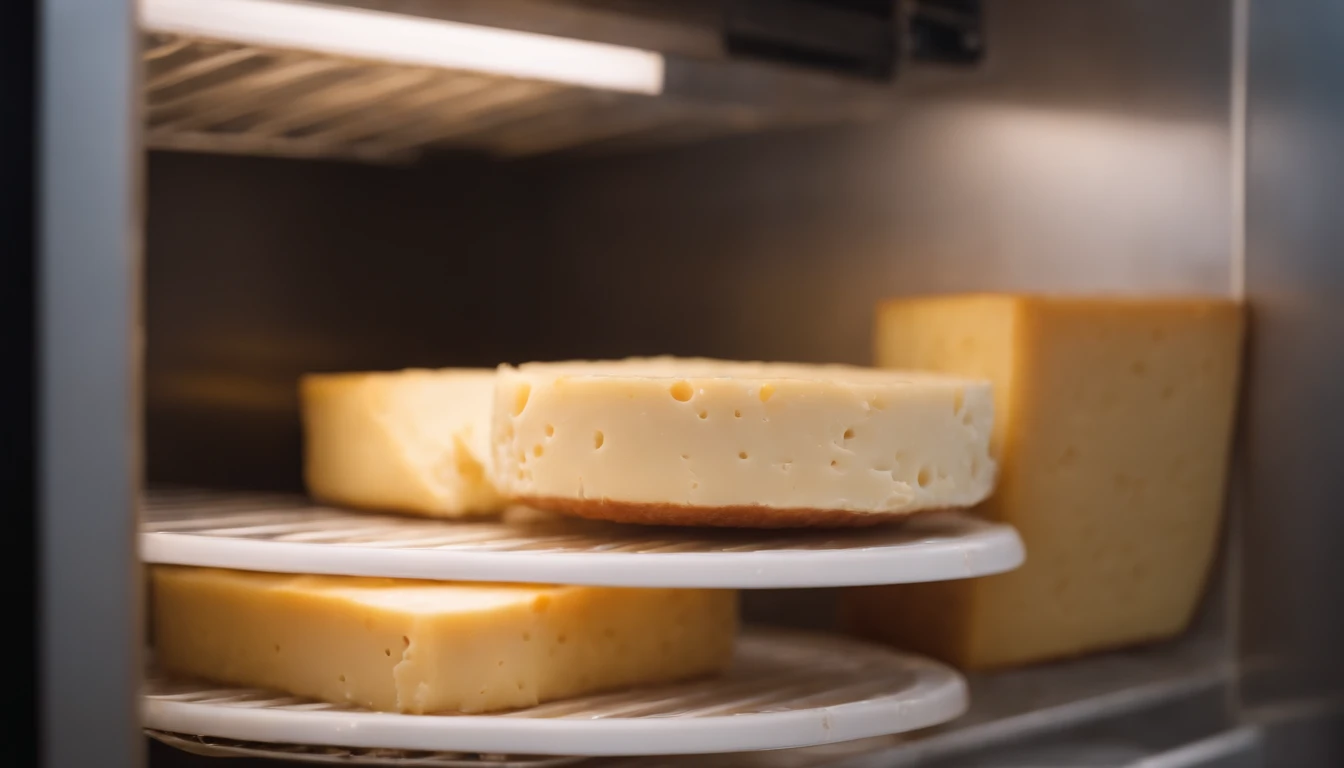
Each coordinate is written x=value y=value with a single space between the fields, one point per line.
x=1291 y=625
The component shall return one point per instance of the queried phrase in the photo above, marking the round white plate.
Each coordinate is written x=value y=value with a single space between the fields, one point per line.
x=785 y=689
x=289 y=534
x=213 y=746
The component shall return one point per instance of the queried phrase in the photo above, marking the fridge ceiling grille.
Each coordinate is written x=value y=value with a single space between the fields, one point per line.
x=225 y=97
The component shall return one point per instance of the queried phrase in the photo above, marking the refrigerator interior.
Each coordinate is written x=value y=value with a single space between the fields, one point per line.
x=1097 y=148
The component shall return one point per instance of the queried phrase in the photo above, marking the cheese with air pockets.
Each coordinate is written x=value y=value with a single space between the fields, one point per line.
x=709 y=442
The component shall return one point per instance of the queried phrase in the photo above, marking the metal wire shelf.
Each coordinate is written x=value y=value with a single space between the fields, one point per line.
x=225 y=97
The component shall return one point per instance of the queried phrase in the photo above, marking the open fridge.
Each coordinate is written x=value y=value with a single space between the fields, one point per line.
x=229 y=194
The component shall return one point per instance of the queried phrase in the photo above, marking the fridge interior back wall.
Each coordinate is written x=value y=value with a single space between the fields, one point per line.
x=307 y=212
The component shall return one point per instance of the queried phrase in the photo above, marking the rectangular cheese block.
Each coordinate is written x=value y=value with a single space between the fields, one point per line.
x=694 y=441
x=421 y=647
x=413 y=441
x=1112 y=431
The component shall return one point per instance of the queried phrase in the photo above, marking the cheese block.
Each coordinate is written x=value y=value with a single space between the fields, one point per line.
x=413 y=441
x=420 y=647
x=1114 y=418
x=709 y=442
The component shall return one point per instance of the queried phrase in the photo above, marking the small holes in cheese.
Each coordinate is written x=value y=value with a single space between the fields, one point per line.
x=550 y=431
x=520 y=397
x=681 y=391
x=742 y=455
x=767 y=391
x=849 y=434
x=924 y=478
x=704 y=414
x=598 y=440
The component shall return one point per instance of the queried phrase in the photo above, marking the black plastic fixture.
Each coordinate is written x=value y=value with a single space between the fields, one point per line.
x=851 y=37
x=943 y=31
x=859 y=38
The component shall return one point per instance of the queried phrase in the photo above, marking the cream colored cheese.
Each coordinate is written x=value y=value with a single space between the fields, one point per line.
x=410 y=441
x=713 y=434
x=419 y=647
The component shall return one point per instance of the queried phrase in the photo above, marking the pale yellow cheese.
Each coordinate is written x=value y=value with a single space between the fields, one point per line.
x=421 y=647
x=413 y=441
x=713 y=434
x=1113 y=424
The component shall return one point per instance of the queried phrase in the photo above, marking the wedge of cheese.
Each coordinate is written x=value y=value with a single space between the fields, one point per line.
x=1114 y=418
x=708 y=442
x=412 y=441
x=420 y=647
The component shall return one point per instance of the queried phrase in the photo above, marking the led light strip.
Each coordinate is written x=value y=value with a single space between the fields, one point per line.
x=412 y=40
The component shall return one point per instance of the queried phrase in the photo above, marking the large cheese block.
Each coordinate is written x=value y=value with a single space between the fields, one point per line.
x=420 y=647
x=707 y=442
x=415 y=441
x=1114 y=418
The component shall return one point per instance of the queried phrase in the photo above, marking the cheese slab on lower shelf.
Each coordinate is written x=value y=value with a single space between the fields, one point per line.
x=1113 y=427
x=415 y=441
x=710 y=442
x=421 y=647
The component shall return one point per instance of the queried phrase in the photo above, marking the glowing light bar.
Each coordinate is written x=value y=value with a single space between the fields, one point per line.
x=412 y=40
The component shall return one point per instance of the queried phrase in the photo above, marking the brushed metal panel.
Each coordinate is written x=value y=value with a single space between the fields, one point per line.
x=1292 y=615
x=88 y=396
x=1092 y=155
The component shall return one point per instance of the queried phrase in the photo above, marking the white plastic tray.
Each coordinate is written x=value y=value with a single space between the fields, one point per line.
x=785 y=689
x=289 y=534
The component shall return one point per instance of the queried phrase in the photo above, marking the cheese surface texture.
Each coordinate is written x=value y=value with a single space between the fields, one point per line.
x=422 y=647
x=713 y=442
x=414 y=441
x=1113 y=427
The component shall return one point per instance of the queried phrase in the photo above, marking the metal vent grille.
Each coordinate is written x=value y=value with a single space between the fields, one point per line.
x=222 y=97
